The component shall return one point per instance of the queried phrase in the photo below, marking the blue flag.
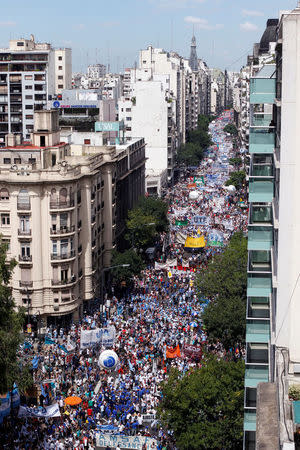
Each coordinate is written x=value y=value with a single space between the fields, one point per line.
x=62 y=347
x=35 y=362
x=49 y=341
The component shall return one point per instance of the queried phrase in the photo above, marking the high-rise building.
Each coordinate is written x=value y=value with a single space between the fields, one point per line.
x=30 y=74
x=193 y=61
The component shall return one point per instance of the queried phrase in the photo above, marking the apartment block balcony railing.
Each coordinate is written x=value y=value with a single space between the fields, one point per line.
x=259 y=286
x=261 y=120
x=64 y=282
x=261 y=140
x=64 y=255
x=260 y=238
x=255 y=375
x=26 y=284
x=261 y=190
x=260 y=215
x=23 y=206
x=262 y=90
x=24 y=232
x=56 y=204
x=258 y=308
x=25 y=258
x=62 y=230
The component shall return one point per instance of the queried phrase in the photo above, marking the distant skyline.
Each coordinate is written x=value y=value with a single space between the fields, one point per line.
x=114 y=32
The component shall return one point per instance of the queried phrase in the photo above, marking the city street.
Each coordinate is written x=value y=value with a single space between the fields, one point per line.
x=158 y=327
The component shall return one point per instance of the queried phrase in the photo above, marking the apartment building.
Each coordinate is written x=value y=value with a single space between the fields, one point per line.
x=272 y=419
x=59 y=217
x=30 y=73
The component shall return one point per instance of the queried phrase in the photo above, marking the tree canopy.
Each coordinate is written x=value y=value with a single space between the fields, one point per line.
x=205 y=407
x=130 y=257
x=231 y=129
x=11 y=323
x=236 y=179
x=224 y=282
x=189 y=154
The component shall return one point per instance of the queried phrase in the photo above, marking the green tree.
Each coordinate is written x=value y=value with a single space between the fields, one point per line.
x=205 y=407
x=11 y=324
x=158 y=209
x=225 y=284
x=125 y=273
x=141 y=228
x=236 y=161
x=199 y=137
x=237 y=179
x=189 y=154
x=231 y=129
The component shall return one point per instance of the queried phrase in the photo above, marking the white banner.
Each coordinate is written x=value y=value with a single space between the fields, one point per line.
x=129 y=442
x=39 y=411
x=106 y=336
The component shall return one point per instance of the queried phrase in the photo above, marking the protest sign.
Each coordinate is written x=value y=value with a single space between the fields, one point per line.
x=193 y=351
x=39 y=411
x=105 y=336
x=125 y=442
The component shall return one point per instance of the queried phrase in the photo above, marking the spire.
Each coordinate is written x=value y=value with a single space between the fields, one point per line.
x=193 y=61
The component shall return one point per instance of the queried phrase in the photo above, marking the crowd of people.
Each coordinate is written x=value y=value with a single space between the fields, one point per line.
x=158 y=327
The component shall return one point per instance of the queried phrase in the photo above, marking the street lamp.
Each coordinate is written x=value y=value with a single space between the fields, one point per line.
x=106 y=269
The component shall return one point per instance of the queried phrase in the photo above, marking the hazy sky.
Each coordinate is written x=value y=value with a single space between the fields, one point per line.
x=114 y=31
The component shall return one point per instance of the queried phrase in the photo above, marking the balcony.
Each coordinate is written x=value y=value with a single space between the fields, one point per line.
x=259 y=286
x=255 y=375
x=261 y=120
x=260 y=238
x=261 y=166
x=26 y=284
x=63 y=230
x=64 y=282
x=257 y=353
x=259 y=261
x=23 y=206
x=261 y=140
x=258 y=332
x=62 y=256
x=250 y=421
x=261 y=191
x=25 y=258
x=260 y=215
x=56 y=204
x=258 y=308
x=262 y=90
x=24 y=232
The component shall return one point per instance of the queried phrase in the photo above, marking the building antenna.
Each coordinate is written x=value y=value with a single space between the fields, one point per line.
x=172 y=36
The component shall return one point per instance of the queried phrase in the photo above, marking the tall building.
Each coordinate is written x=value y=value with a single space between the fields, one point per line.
x=193 y=61
x=30 y=74
x=96 y=71
x=61 y=217
x=272 y=379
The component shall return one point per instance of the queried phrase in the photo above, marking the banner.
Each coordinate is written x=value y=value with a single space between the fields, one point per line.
x=173 y=352
x=193 y=351
x=200 y=220
x=39 y=411
x=148 y=418
x=126 y=442
x=104 y=336
x=181 y=223
x=215 y=239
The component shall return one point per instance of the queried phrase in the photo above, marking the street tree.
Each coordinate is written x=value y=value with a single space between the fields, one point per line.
x=224 y=282
x=158 y=209
x=236 y=179
x=136 y=265
x=141 y=228
x=189 y=154
x=204 y=409
x=11 y=324
x=231 y=129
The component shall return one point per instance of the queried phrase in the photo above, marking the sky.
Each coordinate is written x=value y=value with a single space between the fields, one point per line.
x=112 y=32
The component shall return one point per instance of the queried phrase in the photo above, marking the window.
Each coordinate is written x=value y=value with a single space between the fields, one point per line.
x=29 y=86
x=6 y=242
x=60 y=77
x=24 y=223
x=128 y=119
x=17 y=160
x=63 y=196
x=29 y=116
x=28 y=106
x=28 y=77
x=60 y=86
x=32 y=160
x=20 y=44
x=5 y=219
x=128 y=109
x=64 y=274
x=28 y=97
x=60 y=58
x=54 y=247
x=25 y=250
x=87 y=141
x=4 y=195
x=6 y=160
x=23 y=199
x=63 y=220
x=29 y=127
x=59 y=67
